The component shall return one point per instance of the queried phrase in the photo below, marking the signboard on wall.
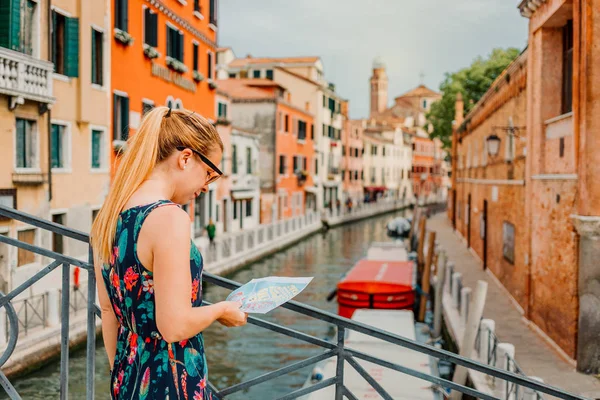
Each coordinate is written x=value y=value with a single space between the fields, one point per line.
x=508 y=242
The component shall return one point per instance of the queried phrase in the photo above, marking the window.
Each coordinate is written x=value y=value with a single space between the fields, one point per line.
x=213 y=12
x=312 y=131
x=120 y=117
x=235 y=209
x=296 y=162
x=95 y=214
x=65 y=45
x=343 y=174
x=425 y=104
x=256 y=73
x=362 y=174
x=210 y=65
x=324 y=130
x=356 y=175
x=57 y=238
x=270 y=74
x=567 y=79
x=373 y=150
x=97 y=57
x=174 y=43
x=249 y=208
x=217 y=212
x=282 y=165
x=343 y=150
x=383 y=149
x=248 y=160
x=147 y=106
x=98 y=149
x=316 y=166
x=150 y=28
x=304 y=163
x=301 y=130
x=287 y=123
x=234 y=163
x=199 y=220
x=26 y=144
x=196 y=64
x=222 y=110
x=197 y=6
x=561 y=147
x=232 y=76
x=121 y=15
x=59 y=146
x=26 y=257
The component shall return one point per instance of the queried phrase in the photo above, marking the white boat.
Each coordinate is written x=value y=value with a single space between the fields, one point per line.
x=398 y=385
x=387 y=251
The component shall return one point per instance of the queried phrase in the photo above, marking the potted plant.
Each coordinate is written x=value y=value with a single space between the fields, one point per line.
x=212 y=84
x=150 y=52
x=123 y=37
x=198 y=77
x=176 y=65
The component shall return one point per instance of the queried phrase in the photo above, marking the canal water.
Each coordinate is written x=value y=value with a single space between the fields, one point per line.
x=239 y=354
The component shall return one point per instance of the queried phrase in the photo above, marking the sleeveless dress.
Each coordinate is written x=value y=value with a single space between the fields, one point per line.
x=146 y=366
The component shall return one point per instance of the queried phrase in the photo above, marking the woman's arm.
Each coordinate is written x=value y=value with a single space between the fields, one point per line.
x=166 y=232
x=110 y=325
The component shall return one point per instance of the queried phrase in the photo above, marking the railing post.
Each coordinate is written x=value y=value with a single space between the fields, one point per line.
x=339 y=370
x=53 y=305
x=449 y=276
x=530 y=394
x=506 y=353
x=3 y=330
x=487 y=328
x=91 y=328
x=465 y=301
x=439 y=292
x=456 y=277
x=64 y=333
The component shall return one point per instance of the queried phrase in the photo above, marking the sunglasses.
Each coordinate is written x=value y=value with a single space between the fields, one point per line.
x=206 y=161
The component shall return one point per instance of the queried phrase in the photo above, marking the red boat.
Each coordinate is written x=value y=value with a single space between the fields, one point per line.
x=378 y=285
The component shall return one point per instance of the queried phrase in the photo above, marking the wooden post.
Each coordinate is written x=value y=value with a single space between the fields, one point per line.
x=426 y=281
x=420 y=257
x=413 y=228
x=468 y=343
x=439 y=293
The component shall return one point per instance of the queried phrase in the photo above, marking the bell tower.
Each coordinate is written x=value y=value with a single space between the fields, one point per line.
x=379 y=87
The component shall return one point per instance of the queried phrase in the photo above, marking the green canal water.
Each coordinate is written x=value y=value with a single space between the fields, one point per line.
x=239 y=354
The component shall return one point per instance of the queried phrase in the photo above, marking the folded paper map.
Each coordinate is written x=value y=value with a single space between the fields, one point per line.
x=259 y=296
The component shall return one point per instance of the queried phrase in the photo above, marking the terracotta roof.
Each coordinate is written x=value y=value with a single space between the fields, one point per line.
x=287 y=71
x=420 y=91
x=241 y=62
x=258 y=82
x=238 y=89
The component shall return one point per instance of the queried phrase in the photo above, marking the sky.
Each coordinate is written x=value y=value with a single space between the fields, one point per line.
x=413 y=37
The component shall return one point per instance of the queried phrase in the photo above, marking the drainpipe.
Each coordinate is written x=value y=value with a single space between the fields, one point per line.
x=49 y=112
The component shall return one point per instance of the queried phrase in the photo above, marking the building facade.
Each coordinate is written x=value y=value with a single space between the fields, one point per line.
x=528 y=205
x=171 y=47
x=303 y=78
x=54 y=110
x=352 y=166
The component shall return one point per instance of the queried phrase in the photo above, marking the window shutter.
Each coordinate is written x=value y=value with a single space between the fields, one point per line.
x=116 y=127
x=94 y=56
x=154 y=29
x=147 y=26
x=20 y=143
x=72 y=47
x=124 y=15
x=180 y=42
x=10 y=24
x=55 y=146
x=125 y=118
x=196 y=66
x=169 y=42
x=96 y=149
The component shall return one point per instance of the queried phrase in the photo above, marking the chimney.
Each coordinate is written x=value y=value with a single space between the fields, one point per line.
x=459 y=109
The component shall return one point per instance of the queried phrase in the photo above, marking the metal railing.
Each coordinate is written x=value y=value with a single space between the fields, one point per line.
x=339 y=350
x=31 y=312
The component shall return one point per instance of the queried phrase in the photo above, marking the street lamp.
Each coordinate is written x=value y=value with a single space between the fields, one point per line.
x=493 y=144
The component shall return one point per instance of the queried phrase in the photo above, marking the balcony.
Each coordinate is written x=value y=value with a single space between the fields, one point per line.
x=25 y=77
x=244 y=182
x=28 y=178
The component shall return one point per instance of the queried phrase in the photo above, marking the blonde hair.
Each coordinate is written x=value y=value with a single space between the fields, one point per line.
x=160 y=132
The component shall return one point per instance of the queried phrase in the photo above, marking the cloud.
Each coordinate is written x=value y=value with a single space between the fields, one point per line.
x=412 y=36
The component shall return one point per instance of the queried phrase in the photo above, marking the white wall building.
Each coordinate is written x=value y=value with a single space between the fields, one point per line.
x=245 y=181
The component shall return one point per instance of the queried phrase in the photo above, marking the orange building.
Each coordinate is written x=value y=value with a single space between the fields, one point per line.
x=423 y=167
x=163 y=53
x=286 y=132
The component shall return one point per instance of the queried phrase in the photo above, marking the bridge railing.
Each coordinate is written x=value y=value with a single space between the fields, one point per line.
x=339 y=350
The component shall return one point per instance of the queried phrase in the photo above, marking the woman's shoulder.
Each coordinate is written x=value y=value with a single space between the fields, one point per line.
x=168 y=220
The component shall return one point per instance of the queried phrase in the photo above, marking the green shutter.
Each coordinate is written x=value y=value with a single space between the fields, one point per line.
x=55 y=148
x=116 y=134
x=10 y=24
x=125 y=118
x=96 y=149
x=94 y=56
x=21 y=143
x=72 y=47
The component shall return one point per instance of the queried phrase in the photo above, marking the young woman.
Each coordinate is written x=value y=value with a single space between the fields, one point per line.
x=148 y=271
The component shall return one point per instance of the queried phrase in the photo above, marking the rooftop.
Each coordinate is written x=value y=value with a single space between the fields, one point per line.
x=242 y=62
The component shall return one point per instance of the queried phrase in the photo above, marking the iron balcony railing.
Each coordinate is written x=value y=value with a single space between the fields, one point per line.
x=339 y=349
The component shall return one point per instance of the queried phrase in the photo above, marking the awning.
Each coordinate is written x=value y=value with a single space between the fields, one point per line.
x=243 y=194
x=311 y=189
x=375 y=188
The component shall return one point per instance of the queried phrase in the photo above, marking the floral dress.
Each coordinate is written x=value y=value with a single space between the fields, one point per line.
x=146 y=366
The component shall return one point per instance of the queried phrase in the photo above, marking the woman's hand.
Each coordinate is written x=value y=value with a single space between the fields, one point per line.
x=231 y=315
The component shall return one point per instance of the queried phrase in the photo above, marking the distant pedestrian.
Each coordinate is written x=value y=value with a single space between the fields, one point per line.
x=211 y=229
x=149 y=273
